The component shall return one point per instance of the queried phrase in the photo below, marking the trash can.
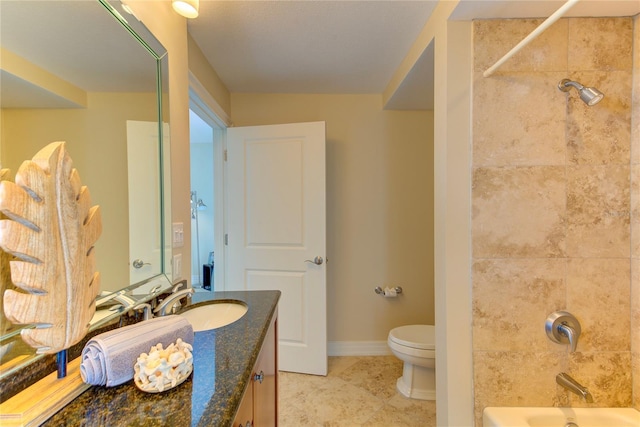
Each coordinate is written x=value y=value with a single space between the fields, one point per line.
x=207 y=276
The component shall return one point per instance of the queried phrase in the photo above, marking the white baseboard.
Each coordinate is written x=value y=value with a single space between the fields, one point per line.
x=358 y=348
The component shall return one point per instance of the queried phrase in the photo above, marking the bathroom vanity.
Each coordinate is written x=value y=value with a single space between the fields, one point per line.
x=228 y=363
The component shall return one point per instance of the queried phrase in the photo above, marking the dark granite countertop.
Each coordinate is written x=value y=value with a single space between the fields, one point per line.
x=223 y=361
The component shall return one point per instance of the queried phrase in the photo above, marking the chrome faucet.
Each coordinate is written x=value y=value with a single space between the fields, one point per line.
x=146 y=310
x=574 y=386
x=170 y=304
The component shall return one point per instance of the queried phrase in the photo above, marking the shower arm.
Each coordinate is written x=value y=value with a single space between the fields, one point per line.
x=566 y=85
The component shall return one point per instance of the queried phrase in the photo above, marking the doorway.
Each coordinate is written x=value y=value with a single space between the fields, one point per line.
x=287 y=164
x=202 y=201
x=206 y=138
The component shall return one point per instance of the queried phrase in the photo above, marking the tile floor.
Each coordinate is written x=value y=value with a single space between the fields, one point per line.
x=358 y=391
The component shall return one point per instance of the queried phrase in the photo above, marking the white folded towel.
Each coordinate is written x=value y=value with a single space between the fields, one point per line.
x=108 y=359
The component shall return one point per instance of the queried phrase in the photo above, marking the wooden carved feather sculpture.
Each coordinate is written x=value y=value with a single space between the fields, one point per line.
x=51 y=231
x=5 y=276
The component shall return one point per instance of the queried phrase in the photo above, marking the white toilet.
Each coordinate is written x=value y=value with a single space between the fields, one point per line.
x=415 y=346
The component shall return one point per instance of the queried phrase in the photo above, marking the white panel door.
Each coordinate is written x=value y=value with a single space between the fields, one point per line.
x=276 y=222
x=144 y=204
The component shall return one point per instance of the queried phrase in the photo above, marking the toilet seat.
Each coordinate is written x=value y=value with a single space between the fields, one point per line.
x=421 y=337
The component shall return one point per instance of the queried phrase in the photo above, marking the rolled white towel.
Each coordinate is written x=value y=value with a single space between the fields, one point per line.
x=108 y=359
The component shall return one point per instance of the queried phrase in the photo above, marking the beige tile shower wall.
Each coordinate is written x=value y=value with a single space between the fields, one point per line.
x=551 y=198
x=635 y=217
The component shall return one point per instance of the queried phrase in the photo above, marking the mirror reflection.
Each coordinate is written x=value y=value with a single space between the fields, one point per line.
x=62 y=80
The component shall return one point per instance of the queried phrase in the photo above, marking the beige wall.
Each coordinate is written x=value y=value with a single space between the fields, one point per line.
x=96 y=139
x=551 y=212
x=635 y=217
x=171 y=30
x=373 y=224
x=379 y=206
x=207 y=76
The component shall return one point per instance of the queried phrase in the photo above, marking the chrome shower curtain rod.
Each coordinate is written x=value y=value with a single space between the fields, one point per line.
x=535 y=33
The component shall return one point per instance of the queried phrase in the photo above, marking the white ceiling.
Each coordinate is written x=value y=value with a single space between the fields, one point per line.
x=303 y=46
x=308 y=46
x=344 y=46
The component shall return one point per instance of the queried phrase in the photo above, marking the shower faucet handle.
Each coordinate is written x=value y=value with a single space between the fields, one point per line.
x=562 y=327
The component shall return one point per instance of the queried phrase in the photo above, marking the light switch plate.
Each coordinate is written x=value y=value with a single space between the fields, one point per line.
x=177 y=267
x=177 y=234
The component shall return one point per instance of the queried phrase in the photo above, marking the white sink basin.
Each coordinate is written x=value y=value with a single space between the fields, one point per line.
x=560 y=417
x=214 y=315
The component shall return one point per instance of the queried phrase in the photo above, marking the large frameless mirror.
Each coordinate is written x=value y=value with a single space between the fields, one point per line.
x=92 y=75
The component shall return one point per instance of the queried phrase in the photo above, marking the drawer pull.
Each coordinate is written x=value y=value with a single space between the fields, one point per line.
x=258 y=377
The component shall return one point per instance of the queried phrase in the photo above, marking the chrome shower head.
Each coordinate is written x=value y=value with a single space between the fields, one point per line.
x=590 y=95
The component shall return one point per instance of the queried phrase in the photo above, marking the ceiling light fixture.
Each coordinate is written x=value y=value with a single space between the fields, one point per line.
x=126 y=8
x=186 y=8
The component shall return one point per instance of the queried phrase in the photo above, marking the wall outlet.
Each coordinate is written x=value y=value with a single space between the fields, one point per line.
x=177 y=267
x=177 y=234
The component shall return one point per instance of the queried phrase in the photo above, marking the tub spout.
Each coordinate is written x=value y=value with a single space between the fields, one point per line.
x=574 y=386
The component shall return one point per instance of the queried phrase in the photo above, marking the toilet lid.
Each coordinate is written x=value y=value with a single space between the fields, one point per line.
x=415 y=336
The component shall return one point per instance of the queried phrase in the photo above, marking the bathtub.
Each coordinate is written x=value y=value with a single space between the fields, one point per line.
x=560 y=417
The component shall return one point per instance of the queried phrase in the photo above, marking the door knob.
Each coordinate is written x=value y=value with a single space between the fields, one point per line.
x=317 y=260
x=138 y=263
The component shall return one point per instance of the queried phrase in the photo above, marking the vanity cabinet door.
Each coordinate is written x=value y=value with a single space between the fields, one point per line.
x=265 y=377
x=244 y=416
x=259 y=405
